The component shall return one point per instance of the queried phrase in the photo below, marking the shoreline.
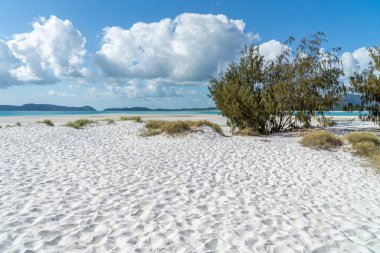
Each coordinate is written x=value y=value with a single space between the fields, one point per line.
x=215 y=118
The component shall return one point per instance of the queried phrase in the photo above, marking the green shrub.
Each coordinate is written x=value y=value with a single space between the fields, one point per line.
x=357 y=137
x=321 y=140
x=47 y=122
x=131 y=118
x=155 y=127
x=18 y=124
x=277 y=95
x=80 y=123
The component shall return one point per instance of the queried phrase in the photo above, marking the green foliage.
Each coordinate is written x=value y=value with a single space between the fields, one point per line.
x=18 y=124
x=132 y=118
x=155 y=127
x=321 y=140
x=80 y=123
x=367 y=83
x=276 y=95
x=47 y=122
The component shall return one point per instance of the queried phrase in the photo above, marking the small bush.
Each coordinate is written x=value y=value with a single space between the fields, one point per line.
x=357 y=137
x=321 y=140
x=366 y=144
x=132 y=118
x=80 y=123
x=155 y=127
x=366 y=148
x=110 y=121
x=18 y=124
x=326 y=122
x=47 y=122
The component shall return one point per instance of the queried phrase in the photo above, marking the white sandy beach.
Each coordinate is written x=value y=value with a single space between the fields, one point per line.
x=106 y=189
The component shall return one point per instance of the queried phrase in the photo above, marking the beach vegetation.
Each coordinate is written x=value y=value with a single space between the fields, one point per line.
x=131 y=118
x=247 y=132
x=47 y=122
x=366 y=144
x=357 y=137
x=174 y=128
x=326 y=122
x=367 y=84
x=80 y=123
x=321 y=140
x=281 y=94
x=109 y=121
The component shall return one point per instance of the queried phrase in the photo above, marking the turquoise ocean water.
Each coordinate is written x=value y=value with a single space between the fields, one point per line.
x=58 y=113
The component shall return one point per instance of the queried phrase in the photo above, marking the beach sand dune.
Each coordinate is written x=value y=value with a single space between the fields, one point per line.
x=106 y=189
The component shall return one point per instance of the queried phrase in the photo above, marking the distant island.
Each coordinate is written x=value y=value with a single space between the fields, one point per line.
x=44 y=107
x=349 y=98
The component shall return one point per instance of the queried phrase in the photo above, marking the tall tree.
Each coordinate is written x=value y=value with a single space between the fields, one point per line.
x=367 y=84
x=275 y=95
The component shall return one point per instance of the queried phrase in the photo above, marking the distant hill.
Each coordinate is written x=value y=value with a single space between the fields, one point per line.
x=44 y=107
x=349 y=98
x=128 y=109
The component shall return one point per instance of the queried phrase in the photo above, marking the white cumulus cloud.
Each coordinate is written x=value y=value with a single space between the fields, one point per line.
x=271 y=49
x=54 y=49
x=355 y=61
x=191 y=47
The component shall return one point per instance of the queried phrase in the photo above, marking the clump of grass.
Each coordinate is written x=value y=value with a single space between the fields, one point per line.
x=47 y=122
x=326 y=122
x=366 y=144
x=321 y=140
x=155 y=127
x=109 y=121
x=366 y=148
x=15 y=125
x=247 y=132
x=357 y=137
x=80 y=123
x=131 y=118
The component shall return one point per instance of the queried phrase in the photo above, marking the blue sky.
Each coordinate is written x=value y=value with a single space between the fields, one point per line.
x=67 y=57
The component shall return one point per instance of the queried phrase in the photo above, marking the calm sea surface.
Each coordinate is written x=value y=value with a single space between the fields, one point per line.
x=58 y=113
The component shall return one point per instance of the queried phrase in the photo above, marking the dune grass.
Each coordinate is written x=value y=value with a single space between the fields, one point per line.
x=80 y=123
x=15 y=125
x=175 y=128
x=109 y=121
x=326 y=122
x=47 y=122
x=366 y=144
x=321 y=140
x=131 y=118
x=357 y=137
